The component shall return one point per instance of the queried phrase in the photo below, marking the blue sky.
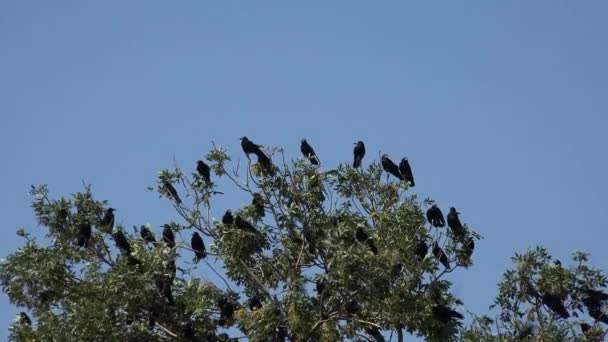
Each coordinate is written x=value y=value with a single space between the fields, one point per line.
x=500 y=106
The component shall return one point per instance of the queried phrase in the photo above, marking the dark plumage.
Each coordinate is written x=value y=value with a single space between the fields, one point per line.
x=375 y=333
x=244 y=225
x=228 y=219
x=440 y=255
x=24 y=319
x=249 y=147
x=445 y=314
x=164 y=284
x=168 y=236
x=390 y=167
x=556 y=304
x=359 y=153
x=84 y=234
x=320 y=285
x=198 y=246
x=435 y=217
x=258 y=203
x=172 y=192
x=585 y=327
x=362 y=236
x=255 y=302
x=204 y=171
x=147 y=235
x=454 y=223
x=226 y=308
x=107 y=221
x=121 y=242
x=468 y=247
x=309 y=152
x=421 y=250
x=406 y=171
x=595 y=301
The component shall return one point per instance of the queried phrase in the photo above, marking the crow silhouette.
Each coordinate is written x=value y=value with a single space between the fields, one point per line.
x=258 y=203
x=421 y=249
x=168 y=236
x=121 y=242
x=359 y=153
x=435 y=217
x=147 y=235
x=454 y=223
x=406 y=171
x=556 y=304
x=228 y=219
x=309 y=152
x=440 y=255
x=107 y=221
x=172 y=192
x=362 y=236
x=84 y=234
x=390 y=167
x=198 y=246
x=204 y=171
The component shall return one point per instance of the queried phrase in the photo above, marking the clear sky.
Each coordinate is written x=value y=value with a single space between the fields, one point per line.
x=500 y=106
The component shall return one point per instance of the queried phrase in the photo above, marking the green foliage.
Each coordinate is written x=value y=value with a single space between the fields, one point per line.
x=331 y=257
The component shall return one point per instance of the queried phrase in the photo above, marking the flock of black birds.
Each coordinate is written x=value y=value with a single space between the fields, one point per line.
x=403 y=172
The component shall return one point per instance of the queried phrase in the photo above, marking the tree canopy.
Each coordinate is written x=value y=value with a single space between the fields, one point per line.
x=347 y=253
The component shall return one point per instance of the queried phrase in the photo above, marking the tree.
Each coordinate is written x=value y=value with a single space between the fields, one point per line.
x=317 y=255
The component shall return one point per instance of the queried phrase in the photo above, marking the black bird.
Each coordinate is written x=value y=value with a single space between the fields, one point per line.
x=147 y=235
x=265 y=163
x=359 y=153
x=362 y=236
x=258 y=203
x=226 y=308
x=320 y=285
x=198 y=246
x=255 y=302
x=249 y=147
x=454 y=223
x=468 y=247
x=244 y=225
x=421 y=249
x=309 y=152
x=228 y=219
x=594 y=301
x=556 y=304
x=585 y=327
x=84 y=234
x=445 y=314
x=121 y=242
x=168 y=236
x=440 y=255
x=107 y=222
x=24 y=319
x=63 y=214
x=172 y=192
x=406 y=171
x=435 y=217
x=164 y=287
x=204 y=171
x=390 y=167
x=375 y=333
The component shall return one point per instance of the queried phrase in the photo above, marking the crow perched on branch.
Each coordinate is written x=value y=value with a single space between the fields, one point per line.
x=390 y=167
x=168 y=236
x=435 y=217
x=147 y=235
x=359 y=153
x=198 y=246
x=121 y=242
x=107 y=222
x=172 y=192
x=594 y=301
x=440 y=255
x=258 y=203
x=228 y=219
x=84 y=234
x=309 y=152
x=362 y=236
x=24 y=319
x=454 y=223
x=250 y=147
x=421 y=250
x=406 y=171
x=204 y=171
x=556 y=304
x=246 y=226
x=445 y=314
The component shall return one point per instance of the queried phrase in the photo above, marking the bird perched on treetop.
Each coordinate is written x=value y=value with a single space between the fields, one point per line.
x=454 y=223
x=172 y=192
x=421 y=249
x=406 y=171
x=198 y=246
x=309 y=152
x=435 y=216
x=359 y=153
x=168 y=236
x=390 y=167
x=204 y=171
x=121 y=242
x=228 y=219
x=107 y=222
x=258 y=203
x=249 y=147
x=147 y=235
x=84 y=234
x=440 y=255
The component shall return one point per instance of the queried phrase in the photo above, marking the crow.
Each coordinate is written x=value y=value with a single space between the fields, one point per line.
x=440 y=255
x=468 y=247
x=359 y=153
x=556 y=304
x=454 y=223
x=204 y=171
x=164 y=287
x=309 y=152
x=198 y=246
x=390 y=167
x=255 y=302
x=406 y=171
x=172 y=192
x=84 y=234
x=362 y=236
x=445 y=314
x=121 y=242
x=168 y=236
x=228 y=219
x=107 y=222
x=24 y=319
x=246 y=226
x=226 y=308
x=375 y=333
x=249 y=147
x=258 y=203
x=435 y=217
x=265 y=163
x=594 y=301
x=421 y=249
x=147 y=235
x=585 y=327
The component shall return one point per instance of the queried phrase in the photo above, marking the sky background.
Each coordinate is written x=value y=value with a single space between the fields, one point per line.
x=500 y=107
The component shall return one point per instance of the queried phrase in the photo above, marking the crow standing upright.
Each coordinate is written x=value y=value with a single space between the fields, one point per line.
x=147 y=235
x=168 y=236
x=246 y=226
x=121 y=242
x=468 y=247
x=249 y=147
x=421 y=249
x=107 y=222
x=198 y=246
x=440 y=255
x=84 y=234
x=435 y=217
x=204 y=171
x=258 y=203
x=172 y=192
x=359 y=153
x=406 y=171
x=228 y=219
x=454 y=223
x=390 y=167
x=309 y=152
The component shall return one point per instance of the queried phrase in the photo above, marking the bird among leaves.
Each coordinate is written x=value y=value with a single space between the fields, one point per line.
x=309 y=152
